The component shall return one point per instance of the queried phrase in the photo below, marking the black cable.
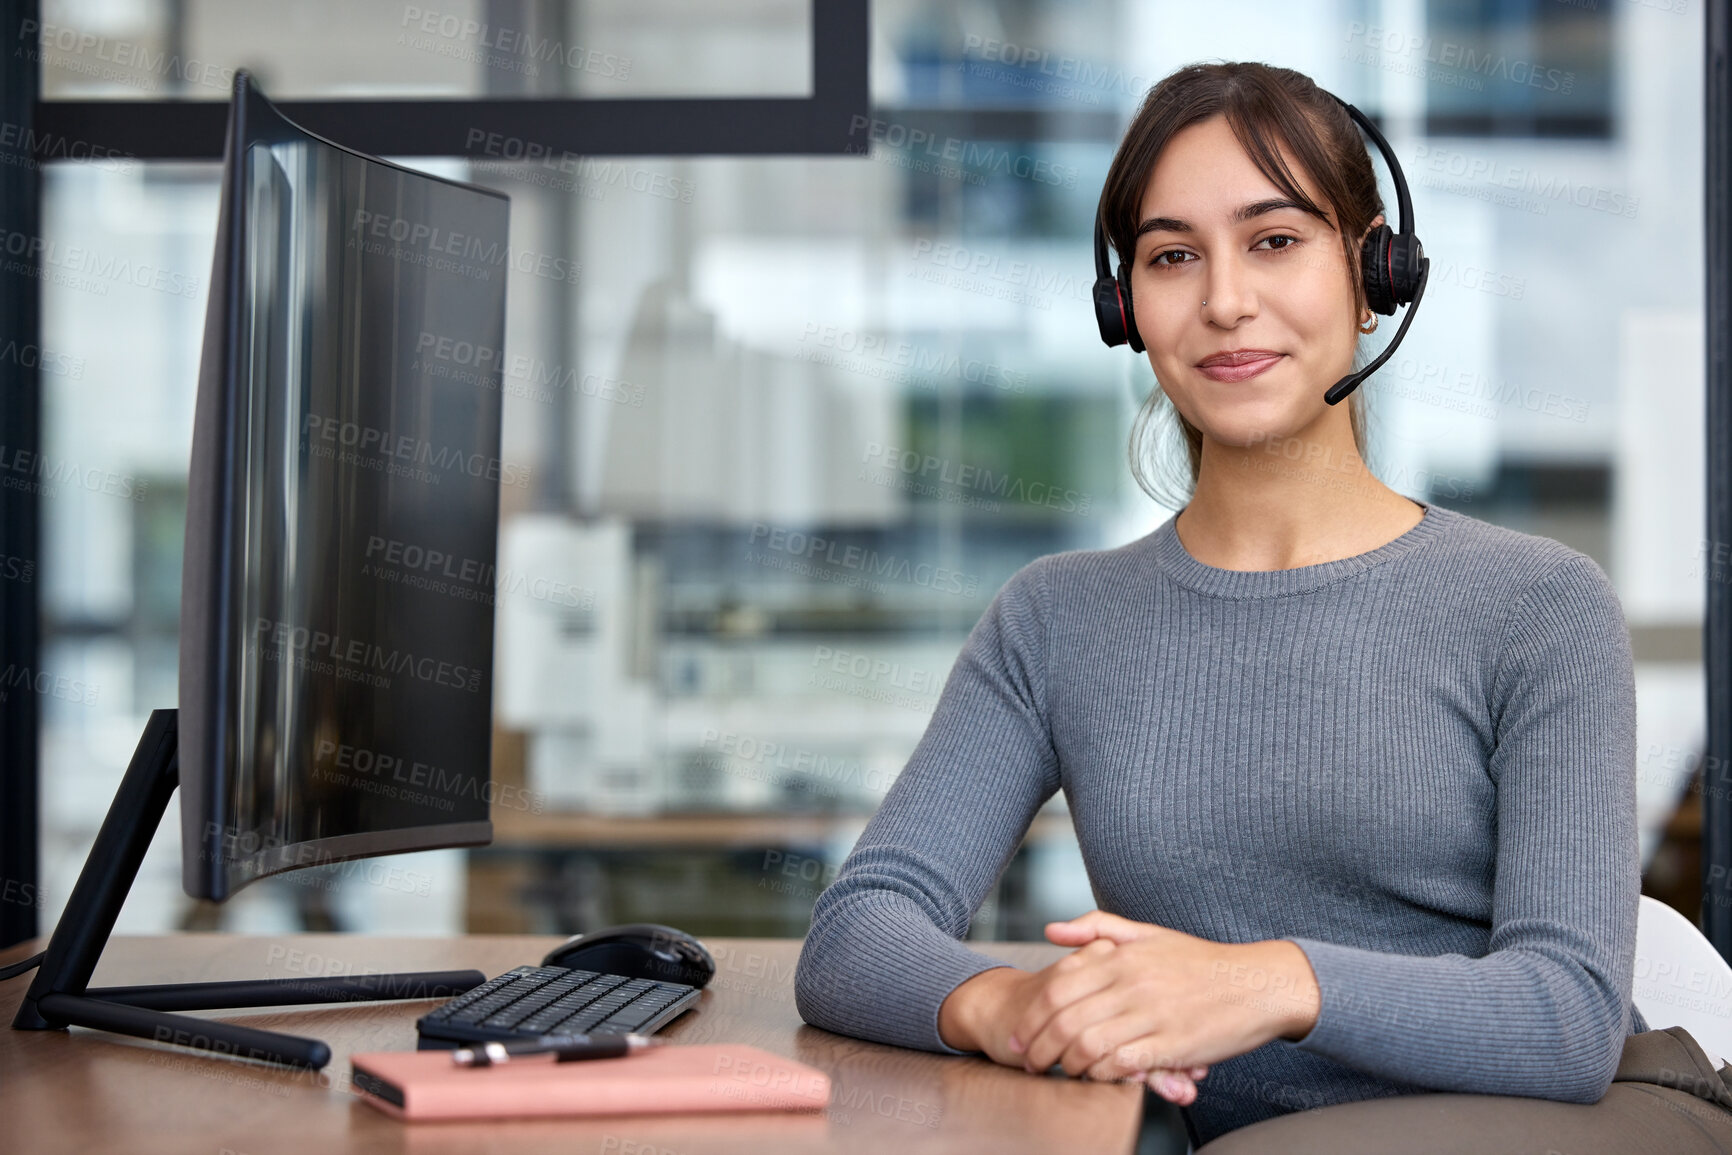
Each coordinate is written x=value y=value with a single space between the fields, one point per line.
x=19 y=968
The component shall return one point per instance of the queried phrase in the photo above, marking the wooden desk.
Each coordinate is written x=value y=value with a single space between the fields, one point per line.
x=83 y=1091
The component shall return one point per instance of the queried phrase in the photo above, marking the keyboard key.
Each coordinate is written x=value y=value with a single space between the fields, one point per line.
x=549 y=1015
x=631 y=1018
x=576 y=1025
x=474 y=994
x=509 y=1018
x=486 y=1008
x=535 y=1000
x=582 y=1021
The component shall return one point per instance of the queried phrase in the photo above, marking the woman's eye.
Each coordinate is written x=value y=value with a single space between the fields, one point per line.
x=1159 y=261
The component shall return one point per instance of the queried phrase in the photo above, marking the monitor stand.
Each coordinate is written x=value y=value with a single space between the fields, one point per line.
x=60 y=996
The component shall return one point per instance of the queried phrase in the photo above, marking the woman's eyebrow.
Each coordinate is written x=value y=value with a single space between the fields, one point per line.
x=1244 y=213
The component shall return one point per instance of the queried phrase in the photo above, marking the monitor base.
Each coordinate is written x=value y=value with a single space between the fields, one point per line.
x=60 y=996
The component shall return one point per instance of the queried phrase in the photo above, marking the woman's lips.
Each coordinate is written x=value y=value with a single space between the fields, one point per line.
x=1239 y=372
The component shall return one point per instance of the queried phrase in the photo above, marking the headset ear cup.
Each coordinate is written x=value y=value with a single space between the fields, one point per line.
x=1375 y=255
x=1107 y=314
x=1404 y=261
x=1124 y=279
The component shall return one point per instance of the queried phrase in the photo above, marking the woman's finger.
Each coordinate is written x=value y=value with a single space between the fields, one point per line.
x=1120 y=1066
x=1098 y=924
x=1138 y=1051
x=1172 y=1086
x=1086 y=1031
x=1074 y=977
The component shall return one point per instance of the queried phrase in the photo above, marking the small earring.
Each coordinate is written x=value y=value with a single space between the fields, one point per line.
x=1373 y=328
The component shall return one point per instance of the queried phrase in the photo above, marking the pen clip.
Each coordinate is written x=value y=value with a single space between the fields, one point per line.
x=484 y=1055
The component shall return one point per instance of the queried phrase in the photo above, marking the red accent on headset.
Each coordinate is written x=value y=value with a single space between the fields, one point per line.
x=1389 y=250
x=1119 y=295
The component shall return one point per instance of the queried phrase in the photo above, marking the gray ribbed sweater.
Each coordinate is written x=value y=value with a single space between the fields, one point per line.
x=1418 y=764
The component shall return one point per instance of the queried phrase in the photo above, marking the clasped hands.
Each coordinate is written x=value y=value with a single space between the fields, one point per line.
x=1135 y=1001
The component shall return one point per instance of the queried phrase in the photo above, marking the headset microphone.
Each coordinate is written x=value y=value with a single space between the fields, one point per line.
x=1394 y=268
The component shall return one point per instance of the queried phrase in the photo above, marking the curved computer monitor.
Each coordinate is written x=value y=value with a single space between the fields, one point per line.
x=336 y=637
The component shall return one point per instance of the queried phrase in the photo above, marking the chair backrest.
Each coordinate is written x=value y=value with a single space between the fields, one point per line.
x=1681 y=980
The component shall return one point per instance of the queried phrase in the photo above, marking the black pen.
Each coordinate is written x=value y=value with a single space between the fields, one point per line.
x=564 y=1048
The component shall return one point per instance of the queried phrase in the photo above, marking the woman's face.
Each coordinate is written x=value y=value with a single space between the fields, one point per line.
x=1276 y=282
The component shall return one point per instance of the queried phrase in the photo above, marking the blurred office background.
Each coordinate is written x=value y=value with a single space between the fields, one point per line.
x=790 y=423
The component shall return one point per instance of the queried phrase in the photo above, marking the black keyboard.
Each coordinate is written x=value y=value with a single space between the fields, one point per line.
x=529 y=1002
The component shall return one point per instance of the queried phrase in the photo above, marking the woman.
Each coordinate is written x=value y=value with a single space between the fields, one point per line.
x=1353 y=775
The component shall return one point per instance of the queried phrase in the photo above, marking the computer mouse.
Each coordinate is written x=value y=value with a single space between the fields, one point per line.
x=639 y=950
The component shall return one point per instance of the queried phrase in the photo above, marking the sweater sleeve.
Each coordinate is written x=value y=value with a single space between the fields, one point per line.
x=885 y=949
x=1544 y=1013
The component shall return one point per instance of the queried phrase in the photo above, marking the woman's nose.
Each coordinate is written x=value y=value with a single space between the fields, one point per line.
x=1227 y=294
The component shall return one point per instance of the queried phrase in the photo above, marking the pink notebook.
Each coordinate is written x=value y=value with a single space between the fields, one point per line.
x=720 y=1077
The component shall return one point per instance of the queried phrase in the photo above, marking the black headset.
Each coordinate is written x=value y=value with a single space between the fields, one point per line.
x=1395 y=267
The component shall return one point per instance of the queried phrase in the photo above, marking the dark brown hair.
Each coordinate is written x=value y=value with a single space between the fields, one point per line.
x=1263 y=104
